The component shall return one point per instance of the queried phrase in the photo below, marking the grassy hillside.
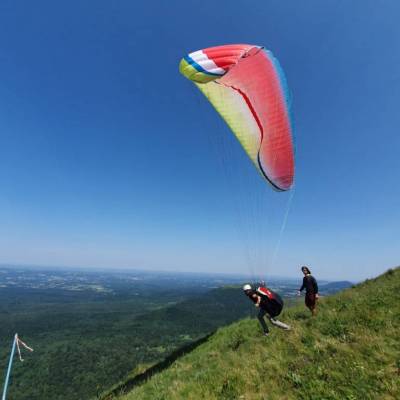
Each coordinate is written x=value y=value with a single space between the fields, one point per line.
x=351 y=350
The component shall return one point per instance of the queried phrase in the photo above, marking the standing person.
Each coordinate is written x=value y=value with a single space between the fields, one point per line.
x=270 y=304
x=311 y=286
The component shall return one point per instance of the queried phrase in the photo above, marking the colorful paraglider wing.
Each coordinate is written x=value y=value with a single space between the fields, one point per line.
x=247 y=87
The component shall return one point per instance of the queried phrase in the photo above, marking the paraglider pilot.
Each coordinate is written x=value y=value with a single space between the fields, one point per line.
x=270 y=305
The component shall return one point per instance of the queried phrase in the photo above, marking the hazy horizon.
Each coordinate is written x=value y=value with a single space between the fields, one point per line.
x=244 y=276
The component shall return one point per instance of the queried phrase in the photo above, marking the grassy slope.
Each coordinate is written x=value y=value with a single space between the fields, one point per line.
x=350 y=351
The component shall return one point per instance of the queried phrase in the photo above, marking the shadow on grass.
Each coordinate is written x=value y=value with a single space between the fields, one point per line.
x=131 y=383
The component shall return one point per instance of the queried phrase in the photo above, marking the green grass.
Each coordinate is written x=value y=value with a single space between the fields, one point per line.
x=351 y=350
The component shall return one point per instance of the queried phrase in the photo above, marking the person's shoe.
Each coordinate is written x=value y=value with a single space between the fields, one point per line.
x=288 y=328
x=266 y=334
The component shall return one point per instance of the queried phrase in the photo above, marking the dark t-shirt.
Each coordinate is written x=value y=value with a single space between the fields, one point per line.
x=310 y=284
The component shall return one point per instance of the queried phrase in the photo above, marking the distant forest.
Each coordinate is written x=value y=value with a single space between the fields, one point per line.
x=90 y=330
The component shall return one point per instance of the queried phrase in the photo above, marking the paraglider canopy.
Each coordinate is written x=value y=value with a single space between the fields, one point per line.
x=247 y=87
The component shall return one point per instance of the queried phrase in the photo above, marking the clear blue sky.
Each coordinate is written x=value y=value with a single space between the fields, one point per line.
x=105 y=149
